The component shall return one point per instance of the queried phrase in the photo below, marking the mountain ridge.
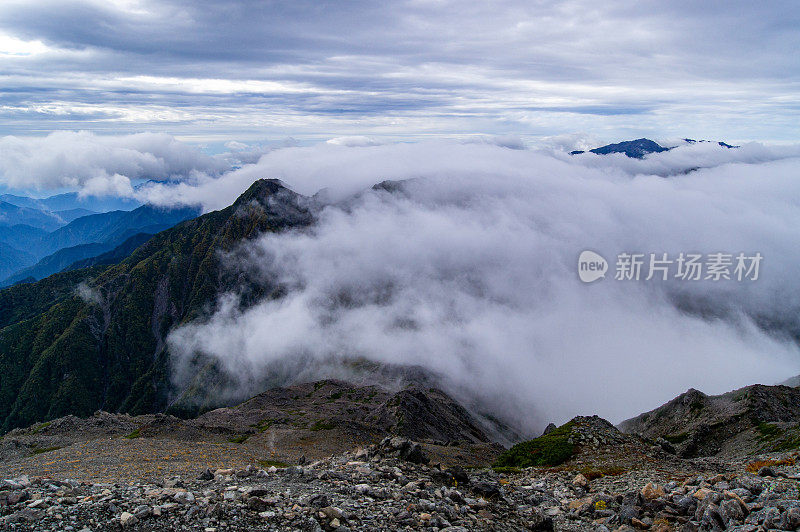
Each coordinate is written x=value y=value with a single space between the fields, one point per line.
x=104 y=346
x=639 y=148
x=755 y=418
x=84 y=237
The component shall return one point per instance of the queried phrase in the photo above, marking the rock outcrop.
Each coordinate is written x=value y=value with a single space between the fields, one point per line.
x=746 y=421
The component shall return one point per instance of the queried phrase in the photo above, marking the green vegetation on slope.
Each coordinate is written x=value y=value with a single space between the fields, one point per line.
x=677 y=438
x=551 y=449
x=62 y=354
x=27 y=300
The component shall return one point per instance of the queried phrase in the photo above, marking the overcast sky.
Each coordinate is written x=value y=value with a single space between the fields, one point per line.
x=254 y=70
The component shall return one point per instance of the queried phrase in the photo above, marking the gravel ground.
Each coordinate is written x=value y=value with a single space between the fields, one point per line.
x=391 y=487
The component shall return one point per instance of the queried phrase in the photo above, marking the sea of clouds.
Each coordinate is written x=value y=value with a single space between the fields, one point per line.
x=470 y=271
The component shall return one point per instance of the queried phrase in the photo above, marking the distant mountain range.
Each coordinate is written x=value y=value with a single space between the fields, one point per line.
x=26 y=222
x=112 y=256
x=38 y=250
x=115 y=226
x=637 y=149
x=13 y=215
x=71 y=201
x=81 y=256
x=11 y=258
x=68 y=215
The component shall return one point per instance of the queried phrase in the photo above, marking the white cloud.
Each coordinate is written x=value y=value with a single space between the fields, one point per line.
x=236 y=146
x=97 y=164
x=354 y=141
x=472 y=273
x=11 y=46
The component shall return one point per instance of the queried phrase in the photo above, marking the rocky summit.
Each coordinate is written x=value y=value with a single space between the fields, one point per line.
x=749 y=420
x=331 y=455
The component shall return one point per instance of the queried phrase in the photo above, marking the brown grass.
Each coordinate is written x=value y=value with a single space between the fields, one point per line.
x=753 y=467
x=594 y=473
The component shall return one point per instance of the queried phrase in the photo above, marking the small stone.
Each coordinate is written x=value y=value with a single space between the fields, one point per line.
x=628 y=513
x=580 y=481
x=661 y=526
x=174 y=482
x=766 y=471
x=731 y=512
x=15 y=497
x=738 y=499
x=257 y=492
x=752 y=484
x=579 y=503
x=652 y=491
x=185 y=497
x=487 y=490
x=791 y=519
x=331 y=512
x=127 y=519
x=701 y=493
x=257 y=504
x=319 y=500
x=772 y=518
x=711 y=519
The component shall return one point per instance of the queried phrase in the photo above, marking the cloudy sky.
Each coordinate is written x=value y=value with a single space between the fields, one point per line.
x=257 y=70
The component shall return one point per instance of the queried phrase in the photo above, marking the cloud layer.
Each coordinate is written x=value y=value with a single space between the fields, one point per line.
x=99 y=165
x=471 y=272
x=412 y=68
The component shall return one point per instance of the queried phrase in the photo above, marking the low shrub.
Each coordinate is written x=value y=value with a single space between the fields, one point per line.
x=322 y=425
x=552 y=449
x=676 y=438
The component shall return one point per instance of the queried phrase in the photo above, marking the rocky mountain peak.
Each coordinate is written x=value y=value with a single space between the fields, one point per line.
x=752 y=419
x=636 y=149
x=261 y=189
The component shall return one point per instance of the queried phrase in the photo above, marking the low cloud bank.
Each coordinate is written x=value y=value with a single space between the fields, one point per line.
x=687 y=157
x=471 y=273
x=344 y=167
x=100 y=165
